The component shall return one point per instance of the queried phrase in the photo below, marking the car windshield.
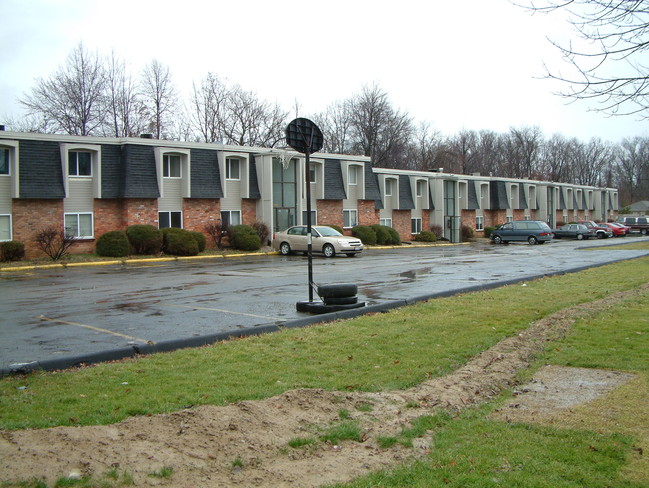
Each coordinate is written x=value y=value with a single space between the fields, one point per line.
x=328 y=232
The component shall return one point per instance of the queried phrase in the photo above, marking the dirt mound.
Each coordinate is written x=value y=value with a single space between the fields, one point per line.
x=247 y=443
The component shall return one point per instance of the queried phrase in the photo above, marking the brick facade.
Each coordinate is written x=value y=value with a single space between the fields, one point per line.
x=330 y=212
x=401 y=222
x=367 y=213
x=248 y=211
x=29 y=216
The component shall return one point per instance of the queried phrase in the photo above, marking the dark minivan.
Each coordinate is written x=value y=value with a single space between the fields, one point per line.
x=532 y=231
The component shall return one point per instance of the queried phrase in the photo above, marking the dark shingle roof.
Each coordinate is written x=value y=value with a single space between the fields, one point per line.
x=405 y=193
x=253 y=183
x=334 y=188
x=41 y=175
x=139 y=176
x=111 y=171
x=498 y=195
x=472 y=203
x=205 y=174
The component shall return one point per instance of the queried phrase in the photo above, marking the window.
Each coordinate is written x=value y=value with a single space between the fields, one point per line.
x=312 y=173
x=415 y=225
x=171 y=166
x=350 y=218
x=79 y=225
x=170 y=219
x=232 y=171
x=510 y=218
x=5 y=227
x=388 y=187
x=352 y=175
x=314 y=217
x=420 y=188
x=479 y=222
x=79 y=163
x=4 y=161
x=230 y=217
x=386 y=222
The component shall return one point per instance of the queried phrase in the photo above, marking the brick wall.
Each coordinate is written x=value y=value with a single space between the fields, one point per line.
x=29 y=216
x=367 y=214
x=248 y=211
x=330 y=212
x=198 y=212
x=139 y=211
x=108 y=216
x=401 y=223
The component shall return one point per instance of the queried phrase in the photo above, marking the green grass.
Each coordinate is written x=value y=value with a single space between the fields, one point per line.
x=346 y=430
x=394 y=350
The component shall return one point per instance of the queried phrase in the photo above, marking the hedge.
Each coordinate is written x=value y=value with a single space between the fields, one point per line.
x=113 y=244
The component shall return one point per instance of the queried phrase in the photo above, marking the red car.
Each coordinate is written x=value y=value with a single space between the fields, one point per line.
x=618 y=229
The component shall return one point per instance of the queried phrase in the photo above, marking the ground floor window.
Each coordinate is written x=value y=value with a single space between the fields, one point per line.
x=350 y=218
x=314 y=217
x=386 y=222
x=510 y=218
x=79 y=225
x=479 y=222
x=415 y=225
x=230 y=217
x=170 y=219
x=5 y=227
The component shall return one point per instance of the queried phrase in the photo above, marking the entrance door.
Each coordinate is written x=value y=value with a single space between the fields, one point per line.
x=284 y=218
x=451 y=220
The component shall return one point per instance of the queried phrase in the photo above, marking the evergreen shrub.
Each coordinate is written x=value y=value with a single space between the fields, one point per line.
x=178 y=242
x=365 y=233
x=395 y=238
x=488 y=231
x=244 y=238
x=12 y=251
x=112 y=244
x=382 y=234
x=200 y=239
x=425 y=236
x=144 y=239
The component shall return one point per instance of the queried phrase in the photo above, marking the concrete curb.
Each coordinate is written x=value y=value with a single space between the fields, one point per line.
x=172 y=345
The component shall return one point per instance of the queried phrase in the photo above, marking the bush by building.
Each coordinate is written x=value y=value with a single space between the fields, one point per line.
x=263 y=231
x=178 y=242
x=200 y=239
x=395 y=238
x=466 y=233
x=383 y=236
x=437 y=230
x=113 y=244
x=365 y=233
x=12 y=251
x=244 y=238
x=144 y=239
x=425 y=236
x=488 y=231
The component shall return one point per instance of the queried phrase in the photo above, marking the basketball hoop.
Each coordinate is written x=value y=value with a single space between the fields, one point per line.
x=285 y=157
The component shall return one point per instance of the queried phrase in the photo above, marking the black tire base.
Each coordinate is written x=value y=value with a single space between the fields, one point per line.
x=318 y=307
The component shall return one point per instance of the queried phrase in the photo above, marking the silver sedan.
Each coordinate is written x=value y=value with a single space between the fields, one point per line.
x=326 y=240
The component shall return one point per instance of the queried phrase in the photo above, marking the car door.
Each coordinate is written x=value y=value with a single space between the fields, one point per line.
x=297 y=238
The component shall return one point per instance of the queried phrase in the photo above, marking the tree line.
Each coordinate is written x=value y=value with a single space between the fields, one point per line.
x=92 y=94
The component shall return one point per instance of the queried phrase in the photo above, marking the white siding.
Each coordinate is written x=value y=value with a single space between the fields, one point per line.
x=80 y=195
x=233 y=199
x=5 y=194
x=173 y=195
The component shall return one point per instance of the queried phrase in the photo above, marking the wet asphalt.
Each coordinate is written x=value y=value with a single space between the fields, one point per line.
x=52 y=315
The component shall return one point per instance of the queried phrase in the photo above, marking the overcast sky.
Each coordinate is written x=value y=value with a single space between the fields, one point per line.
x=471 y=64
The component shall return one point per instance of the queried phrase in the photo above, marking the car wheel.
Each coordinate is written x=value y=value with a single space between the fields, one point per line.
x=497 y=240
x=580 y=237
x=643 y=232
x=328 y=250
x=532 y=240
x=600 y=235
x=285 y=249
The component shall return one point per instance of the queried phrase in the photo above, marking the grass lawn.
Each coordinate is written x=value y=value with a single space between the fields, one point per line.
x=397 y=350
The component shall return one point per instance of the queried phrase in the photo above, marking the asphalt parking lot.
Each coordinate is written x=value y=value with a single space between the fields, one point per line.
x=51 y=316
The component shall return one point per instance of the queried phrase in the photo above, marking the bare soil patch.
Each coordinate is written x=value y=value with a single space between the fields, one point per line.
x=246 y=444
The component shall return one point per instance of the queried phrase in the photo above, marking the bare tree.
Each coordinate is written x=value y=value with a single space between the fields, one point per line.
x=424 y=147
x=250 y=121
x=208 y=103
x=335 y=123
x=610 y=65
x=125 y=111
x=72 y=99
x=555 y=162
x=379 y=131
x=522 y=149
x=632 y=169
x=159 y=96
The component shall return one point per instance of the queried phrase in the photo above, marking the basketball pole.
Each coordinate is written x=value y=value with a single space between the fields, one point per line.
x=308 y=225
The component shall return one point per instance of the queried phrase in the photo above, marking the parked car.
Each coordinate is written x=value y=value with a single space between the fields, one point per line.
x=618 y=230
x=326 y=240
x=625 y=228
x=532 y=231
x=637 y=224
x=602 y=231
x=574 y=231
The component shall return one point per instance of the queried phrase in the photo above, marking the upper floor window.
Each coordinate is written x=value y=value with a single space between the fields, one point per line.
x=388 y=187
x=171 y=167
x=312 y=173
x=232 y=169
x=79 y=163
x=420 y=188
x=352 y=175
x=4 y=161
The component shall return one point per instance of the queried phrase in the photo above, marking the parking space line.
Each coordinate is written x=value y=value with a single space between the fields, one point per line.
x=96 y=329
x=224 y=311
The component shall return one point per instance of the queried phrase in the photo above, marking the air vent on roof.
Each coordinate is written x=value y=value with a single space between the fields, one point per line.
x=2 y=127
x=146 y=136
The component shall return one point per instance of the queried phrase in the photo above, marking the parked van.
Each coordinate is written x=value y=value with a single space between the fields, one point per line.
x=532 y=231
